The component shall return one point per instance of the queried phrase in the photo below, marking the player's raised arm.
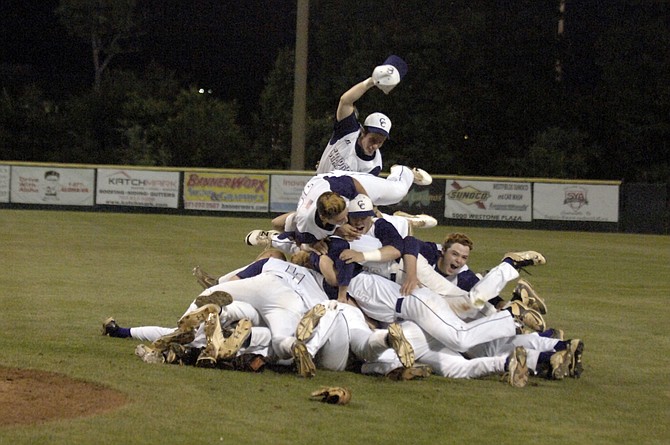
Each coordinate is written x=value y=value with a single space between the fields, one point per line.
x=346 y=106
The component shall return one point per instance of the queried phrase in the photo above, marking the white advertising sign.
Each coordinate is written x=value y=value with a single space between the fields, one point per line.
x=139 y=188
x=576 y=202
x=285 y=192
x=52 y=185
x=4 y=183
x=488 y=201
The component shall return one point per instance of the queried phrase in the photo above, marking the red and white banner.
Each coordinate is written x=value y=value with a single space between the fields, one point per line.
x=576 y=202
x=487 y=200
x=141 y=188
x=226 y=191
x=52 y=185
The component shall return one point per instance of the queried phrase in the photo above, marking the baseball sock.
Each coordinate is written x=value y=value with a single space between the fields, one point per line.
x=120 y=333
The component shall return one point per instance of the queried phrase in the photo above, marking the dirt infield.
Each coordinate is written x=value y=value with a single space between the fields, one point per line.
x=30 y=396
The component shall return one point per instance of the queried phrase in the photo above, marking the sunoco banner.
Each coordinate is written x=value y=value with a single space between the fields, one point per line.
x=233 y=192
x=489 y=201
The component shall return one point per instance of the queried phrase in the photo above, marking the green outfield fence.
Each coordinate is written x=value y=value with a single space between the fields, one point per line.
x=638 y=207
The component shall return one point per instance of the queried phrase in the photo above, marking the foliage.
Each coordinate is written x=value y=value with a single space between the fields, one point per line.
x=109 y=26
x=481 y=97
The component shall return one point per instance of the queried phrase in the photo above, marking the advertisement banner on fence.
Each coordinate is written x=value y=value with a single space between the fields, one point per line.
x=139 y=188
x=226 y=191
x=4 y=183
x=285 y=192
x=488 y=200
x=52 y=185
x=576 y=202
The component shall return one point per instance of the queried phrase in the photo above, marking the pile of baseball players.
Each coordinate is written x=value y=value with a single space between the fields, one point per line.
x=341 y=286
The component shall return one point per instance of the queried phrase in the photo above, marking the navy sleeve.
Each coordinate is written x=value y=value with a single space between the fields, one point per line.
x=388 y=235
x=430 y=252
x=344 y=271
x=411 y=246
x=342 y=185
x=304 y=237
x=467 y=279
x=344 y=127
x=253 y=269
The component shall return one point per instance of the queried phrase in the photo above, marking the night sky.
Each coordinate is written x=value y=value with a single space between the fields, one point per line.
x=228 y=46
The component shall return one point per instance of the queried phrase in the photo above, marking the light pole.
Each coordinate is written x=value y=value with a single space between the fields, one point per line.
x=300 y=88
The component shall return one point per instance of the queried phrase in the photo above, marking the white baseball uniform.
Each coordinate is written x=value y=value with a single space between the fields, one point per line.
x=382 y=191
x=343 y=151
x=380 y=299
x=484 y=359
x=281 y=292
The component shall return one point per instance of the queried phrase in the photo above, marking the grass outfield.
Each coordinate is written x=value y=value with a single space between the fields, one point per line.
x=63 y=272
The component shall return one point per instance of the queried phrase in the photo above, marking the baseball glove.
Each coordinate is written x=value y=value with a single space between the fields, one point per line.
x=334 y=394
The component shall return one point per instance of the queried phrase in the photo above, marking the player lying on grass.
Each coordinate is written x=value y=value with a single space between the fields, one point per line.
x=280 y=292
x=514 y=357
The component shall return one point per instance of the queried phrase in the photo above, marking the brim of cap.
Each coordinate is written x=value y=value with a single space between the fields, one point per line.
x=362 y=214
x=378 y=131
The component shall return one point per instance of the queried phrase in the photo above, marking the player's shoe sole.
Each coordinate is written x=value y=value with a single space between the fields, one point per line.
x=234 y=342
x=309 y=321
x=529 y=297
x=194 y=318
x=303 y=361
x=218 y=297
x=421 y=221
x=399 y=343
x=517 y=368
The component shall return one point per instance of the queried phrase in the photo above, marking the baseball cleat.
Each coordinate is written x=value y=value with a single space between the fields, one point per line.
x=527 y=317
x=529 y=297
x=421 y=177
x=303 y=361
x=523 y=259
x=421 y=221
x=575 y=368
x=204 y=279
x=234 y=342
x=109 y=327
x=559 y=364
x=413 y=373
x=309 y=321
x=261 y=238
x=397 y=340
x=517 y=370
x=214 y=336
x=194 y=318
x=149 y=355
x=177 y=336
x=218 y=297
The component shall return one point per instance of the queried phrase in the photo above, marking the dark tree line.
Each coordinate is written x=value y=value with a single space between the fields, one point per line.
x=492 y=89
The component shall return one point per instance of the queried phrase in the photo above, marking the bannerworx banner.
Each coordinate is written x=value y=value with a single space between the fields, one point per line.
x=488 y=200
x=576 y=202
x=52 y=185
x=226 y=191
x=140 y=188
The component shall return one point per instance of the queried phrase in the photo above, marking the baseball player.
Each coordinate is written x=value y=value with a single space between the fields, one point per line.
x=353 y=147
x=555 y=357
